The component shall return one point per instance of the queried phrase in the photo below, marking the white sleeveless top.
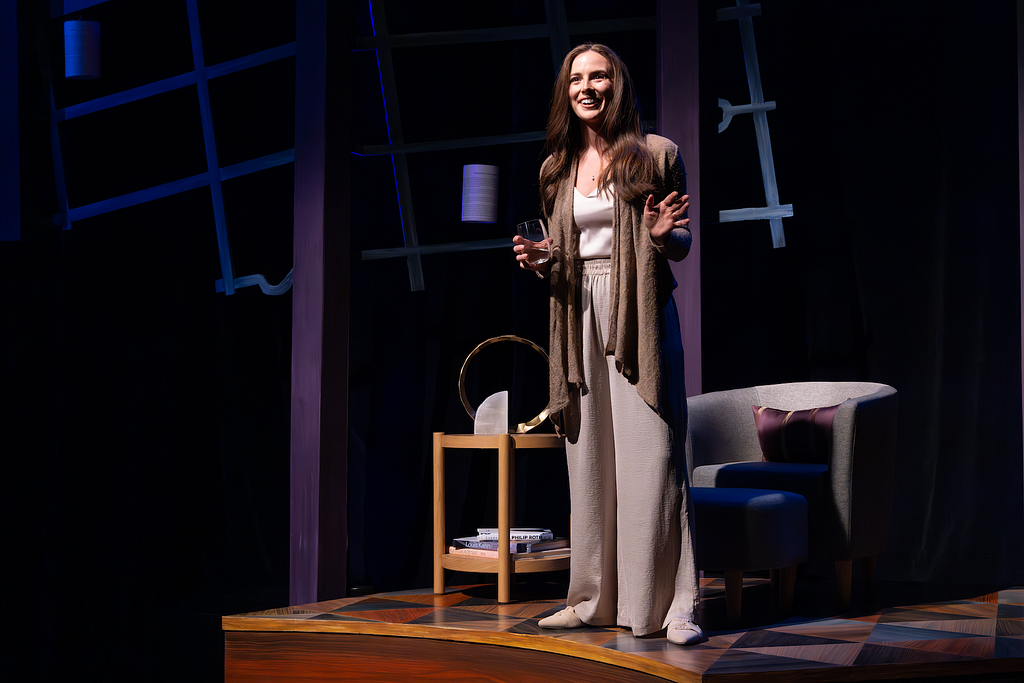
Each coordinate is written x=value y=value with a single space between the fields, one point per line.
x=594 y=216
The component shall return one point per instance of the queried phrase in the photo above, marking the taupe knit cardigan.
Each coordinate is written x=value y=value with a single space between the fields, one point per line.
x=641 y=283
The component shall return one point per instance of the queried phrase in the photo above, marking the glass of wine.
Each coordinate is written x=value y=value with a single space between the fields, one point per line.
x=535 y=234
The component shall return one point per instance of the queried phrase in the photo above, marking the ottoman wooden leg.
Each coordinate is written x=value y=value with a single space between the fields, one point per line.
x=844 y=578
x=787 y=586
x=733 y=595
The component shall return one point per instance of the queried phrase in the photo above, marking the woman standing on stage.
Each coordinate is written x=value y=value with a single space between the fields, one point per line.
x=614 y=203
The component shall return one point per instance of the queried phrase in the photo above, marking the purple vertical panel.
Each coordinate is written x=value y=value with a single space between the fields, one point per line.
x=332 y=578
x=678 y=119
x=319 y=404
x=307 y=300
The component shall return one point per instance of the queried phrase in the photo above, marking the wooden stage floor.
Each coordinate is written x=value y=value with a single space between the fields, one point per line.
x=466 y=635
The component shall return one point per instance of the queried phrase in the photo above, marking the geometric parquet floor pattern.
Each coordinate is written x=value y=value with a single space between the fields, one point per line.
x=984 y=635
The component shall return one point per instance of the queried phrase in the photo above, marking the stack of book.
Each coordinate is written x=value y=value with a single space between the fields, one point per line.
x=522 y=540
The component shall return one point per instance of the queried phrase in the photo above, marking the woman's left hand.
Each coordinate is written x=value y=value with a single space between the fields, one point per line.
x=663 y=217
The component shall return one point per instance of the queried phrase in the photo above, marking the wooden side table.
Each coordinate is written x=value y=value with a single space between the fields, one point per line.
x=507 y=563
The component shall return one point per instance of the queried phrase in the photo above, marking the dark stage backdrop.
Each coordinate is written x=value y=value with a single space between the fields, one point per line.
x=145 y=417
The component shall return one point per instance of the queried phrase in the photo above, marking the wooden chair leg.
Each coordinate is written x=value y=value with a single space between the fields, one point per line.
x=733 y=595
x=844 y=577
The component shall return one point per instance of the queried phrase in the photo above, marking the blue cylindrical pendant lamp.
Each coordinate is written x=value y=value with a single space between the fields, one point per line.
x=81 y=49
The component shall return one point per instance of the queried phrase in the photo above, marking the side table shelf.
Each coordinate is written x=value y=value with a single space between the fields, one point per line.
x=508 y=564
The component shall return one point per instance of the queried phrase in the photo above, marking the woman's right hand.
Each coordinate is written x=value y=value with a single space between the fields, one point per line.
x=523 y=247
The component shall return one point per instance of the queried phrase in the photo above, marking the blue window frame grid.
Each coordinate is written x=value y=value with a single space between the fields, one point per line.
x=214 y=175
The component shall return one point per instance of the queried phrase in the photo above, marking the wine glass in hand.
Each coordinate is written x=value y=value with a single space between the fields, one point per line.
x=534 y=238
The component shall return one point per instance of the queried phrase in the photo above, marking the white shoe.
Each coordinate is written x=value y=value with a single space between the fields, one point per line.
x=564 y=619
x=683 y=632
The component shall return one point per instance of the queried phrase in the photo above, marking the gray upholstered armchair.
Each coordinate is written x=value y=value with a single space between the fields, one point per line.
x=849 y=493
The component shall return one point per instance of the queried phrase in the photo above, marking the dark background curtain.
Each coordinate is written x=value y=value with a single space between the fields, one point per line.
x=895 y=140
x=145 y=417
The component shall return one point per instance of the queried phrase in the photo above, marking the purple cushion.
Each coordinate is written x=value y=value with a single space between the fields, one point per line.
x=799 y=436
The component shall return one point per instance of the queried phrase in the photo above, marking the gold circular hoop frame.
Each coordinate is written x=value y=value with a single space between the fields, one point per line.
x=522 y=427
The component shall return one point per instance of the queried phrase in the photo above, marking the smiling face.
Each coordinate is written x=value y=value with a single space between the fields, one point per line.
x=590 y=87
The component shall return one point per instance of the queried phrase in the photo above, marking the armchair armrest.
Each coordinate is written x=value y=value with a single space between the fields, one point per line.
x=721 y=428
x=862 y=471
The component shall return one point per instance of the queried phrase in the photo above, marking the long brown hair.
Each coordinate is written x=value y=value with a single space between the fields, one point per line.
x=630 y=166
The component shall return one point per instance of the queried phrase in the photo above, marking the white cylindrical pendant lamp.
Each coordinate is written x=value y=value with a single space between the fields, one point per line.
x=479 y=193
x=81 y=49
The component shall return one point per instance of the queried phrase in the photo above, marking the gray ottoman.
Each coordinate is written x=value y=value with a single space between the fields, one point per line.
x=739 y=530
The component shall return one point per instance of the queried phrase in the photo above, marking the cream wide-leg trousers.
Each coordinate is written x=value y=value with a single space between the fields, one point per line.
x=632 y=549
